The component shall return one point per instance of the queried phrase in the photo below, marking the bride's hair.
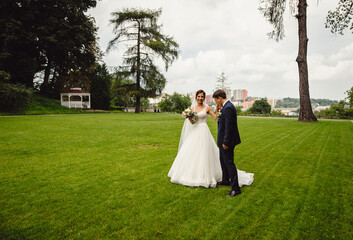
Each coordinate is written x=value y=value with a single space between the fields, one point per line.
x=200 y=91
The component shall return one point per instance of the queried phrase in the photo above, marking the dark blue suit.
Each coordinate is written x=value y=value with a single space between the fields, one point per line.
x=228 y=135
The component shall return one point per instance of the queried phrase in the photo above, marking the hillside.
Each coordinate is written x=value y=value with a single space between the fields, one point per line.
x=42 y=105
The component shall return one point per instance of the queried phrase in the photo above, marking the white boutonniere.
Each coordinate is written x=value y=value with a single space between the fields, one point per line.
x=219 y=115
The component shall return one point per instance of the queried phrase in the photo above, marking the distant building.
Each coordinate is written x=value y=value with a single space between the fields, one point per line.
x=321 y=108
x=240 y=94
x=155 y=101
x=248 y=104
x=237 y=104
x=272 y=102
x=208 y=99
x=287 y=111
x=228 y=93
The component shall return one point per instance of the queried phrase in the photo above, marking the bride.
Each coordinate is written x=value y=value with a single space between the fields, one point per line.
x=197 y=162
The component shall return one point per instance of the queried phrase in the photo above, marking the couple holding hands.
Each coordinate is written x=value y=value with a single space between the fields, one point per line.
x=200 y=162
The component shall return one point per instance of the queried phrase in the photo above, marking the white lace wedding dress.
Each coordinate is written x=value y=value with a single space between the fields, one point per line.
x=197 y=162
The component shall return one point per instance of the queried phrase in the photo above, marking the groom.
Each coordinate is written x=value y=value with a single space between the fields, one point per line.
x=227 y=138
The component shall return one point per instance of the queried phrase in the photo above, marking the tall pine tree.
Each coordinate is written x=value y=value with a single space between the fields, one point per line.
x=146 y=43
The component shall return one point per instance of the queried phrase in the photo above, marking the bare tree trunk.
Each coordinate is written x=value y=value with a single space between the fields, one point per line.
x=45 y=85
x=138 y=73
x=306 y=113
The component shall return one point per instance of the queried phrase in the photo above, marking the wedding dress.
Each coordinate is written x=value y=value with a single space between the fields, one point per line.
x=197 y=162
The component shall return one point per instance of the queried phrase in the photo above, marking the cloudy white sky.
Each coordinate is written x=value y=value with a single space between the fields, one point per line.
x=229 y=36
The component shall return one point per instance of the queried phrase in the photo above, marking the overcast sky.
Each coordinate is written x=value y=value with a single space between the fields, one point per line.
x=229 y=36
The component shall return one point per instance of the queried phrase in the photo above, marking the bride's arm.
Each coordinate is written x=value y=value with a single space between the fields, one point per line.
x=210 y=111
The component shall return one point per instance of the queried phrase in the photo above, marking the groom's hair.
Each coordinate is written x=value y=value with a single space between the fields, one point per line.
x=220 y=93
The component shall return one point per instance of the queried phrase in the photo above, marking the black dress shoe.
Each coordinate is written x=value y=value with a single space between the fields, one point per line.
x=223 y=183
x=233 y=193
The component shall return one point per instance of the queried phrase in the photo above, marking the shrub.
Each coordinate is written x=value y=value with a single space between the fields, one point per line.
x=13 y=96
x=261 y=106
x=4 y=76
x=277 y=113
x=338 y=111
x=174 y=103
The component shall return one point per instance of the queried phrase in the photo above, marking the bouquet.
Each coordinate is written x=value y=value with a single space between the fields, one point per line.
x=188 y=113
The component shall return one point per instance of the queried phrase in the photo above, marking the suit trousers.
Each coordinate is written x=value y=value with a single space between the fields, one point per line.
x=229 y=170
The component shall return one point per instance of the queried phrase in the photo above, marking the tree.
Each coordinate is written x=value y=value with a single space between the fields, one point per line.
x=18 y=55
x=261 y=106
x=49 y=39
x=100 y=88
x=340 y=19
x=238 y=108
x=180 y=102
x=350 y=97
x=122 y=90
x=175 y=103
x=338 y=111
x=166 y=104
x=273 y=12
x=222 y=82
x=140 y=29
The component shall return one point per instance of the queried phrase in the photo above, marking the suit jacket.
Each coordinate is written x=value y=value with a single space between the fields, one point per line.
x=228 y=133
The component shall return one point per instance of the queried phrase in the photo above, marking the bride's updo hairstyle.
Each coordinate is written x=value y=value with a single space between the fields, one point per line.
x=200 y=91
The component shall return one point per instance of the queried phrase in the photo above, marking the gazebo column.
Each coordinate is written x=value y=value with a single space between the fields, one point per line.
x=89 y=100
x=69 y=100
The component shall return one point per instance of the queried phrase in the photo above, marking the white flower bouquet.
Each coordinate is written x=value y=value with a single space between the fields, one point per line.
x=188 y=113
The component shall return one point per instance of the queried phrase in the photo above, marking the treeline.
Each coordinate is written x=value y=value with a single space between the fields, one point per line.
x=45 y=46
x=295 y=102
x=48 y=47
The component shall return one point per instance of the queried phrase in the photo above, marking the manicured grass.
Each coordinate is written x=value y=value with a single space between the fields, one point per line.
x=100 y=176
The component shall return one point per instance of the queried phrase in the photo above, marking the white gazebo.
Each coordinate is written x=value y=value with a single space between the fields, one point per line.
x=76 y=98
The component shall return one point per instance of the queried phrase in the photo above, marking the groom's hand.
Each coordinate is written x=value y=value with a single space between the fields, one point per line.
x=225 y=147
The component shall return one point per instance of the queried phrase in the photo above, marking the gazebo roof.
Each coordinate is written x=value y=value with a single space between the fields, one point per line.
x=75 y=90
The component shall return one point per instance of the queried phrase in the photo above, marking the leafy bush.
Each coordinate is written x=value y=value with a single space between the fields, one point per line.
x=277 y=113
x=338 y=111
x=238 y=110
x=4 y=76
x=261 y=106
x=175 y=103
x=13 y=96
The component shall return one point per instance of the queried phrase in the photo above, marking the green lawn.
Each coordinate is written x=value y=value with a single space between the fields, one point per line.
x=100 y=176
